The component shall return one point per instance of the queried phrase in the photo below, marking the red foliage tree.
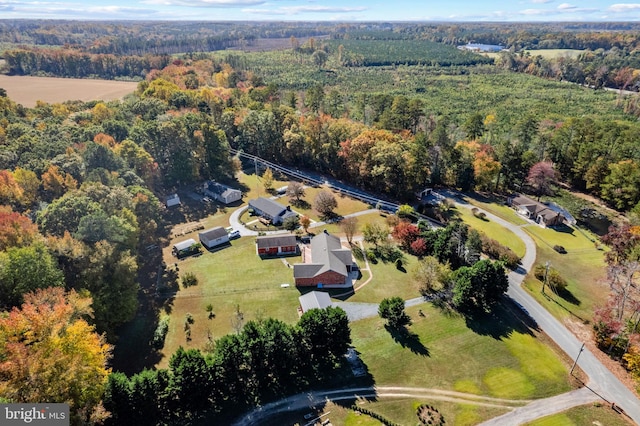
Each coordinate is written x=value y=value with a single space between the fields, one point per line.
x=541 y=176
x=405 y=233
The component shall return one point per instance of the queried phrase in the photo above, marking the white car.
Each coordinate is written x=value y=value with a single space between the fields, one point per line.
x=234 y=234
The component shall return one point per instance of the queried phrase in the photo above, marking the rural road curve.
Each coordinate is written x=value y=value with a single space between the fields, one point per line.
x=602 y=383
x=601 y=380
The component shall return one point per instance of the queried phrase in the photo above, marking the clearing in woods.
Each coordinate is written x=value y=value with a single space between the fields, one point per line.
x=27 y=90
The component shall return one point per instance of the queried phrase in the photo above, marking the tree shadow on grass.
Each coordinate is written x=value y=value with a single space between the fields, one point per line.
x=407 y=339
x=569 y=297
x=300 y=204
x=505 y=318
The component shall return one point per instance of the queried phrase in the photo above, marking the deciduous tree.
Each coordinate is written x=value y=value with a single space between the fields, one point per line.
x=392 y=309
x=325 y=203
x=349 y=226
x=541 y=177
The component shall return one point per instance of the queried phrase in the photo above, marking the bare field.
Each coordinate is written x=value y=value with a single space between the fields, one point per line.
x=27 y=90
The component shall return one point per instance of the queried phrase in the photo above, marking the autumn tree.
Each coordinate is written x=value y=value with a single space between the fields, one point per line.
x=325 y=203
x=50 y=353
x=432 y=276
x=305 y=222
x=405 y=233
x=267 y=179
x=541 y=177
x=16 y=230
x=374 y=233
x=349 y=226
x=295 y=190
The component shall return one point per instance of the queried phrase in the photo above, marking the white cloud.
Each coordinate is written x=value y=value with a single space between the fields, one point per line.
x=204 y=3
x=296 y=10
x=566 y=6
x=624 y=7
x=541 y=1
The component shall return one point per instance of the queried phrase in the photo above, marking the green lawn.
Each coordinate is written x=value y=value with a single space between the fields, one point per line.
x=493 y=230
x=584 y=415
x=582 y=266
x=498 y=357
x=231 y=277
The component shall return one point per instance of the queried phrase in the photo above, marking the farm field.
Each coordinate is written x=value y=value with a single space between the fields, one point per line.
x=27 y=90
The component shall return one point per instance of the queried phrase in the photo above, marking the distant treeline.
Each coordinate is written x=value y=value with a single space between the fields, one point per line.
x=72 y=63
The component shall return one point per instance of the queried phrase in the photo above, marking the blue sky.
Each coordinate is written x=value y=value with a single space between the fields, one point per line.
x=323 y=10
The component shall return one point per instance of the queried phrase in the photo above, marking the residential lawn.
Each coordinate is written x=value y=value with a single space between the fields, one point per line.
x=233 y=277
x=335 y=228
x=497 y=207
x=591 y=414
x=493 y=230
x=498 y=356
x=582 y=266
x=387 y=281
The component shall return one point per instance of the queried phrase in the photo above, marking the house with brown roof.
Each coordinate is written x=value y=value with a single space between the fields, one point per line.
x=277 y=245
x=327 y=265
x=540 y=213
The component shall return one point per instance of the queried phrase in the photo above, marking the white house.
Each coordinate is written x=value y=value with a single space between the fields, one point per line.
x=222 y=193
x=173 y=200
x=213 y=237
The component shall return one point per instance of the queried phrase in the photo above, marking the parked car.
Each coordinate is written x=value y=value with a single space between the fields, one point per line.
x=234 y=234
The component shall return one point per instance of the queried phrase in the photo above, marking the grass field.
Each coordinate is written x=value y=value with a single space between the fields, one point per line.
x=583 y=415
x=493 y=230
x=499 y=357
x=231 y=278
x=27 y=90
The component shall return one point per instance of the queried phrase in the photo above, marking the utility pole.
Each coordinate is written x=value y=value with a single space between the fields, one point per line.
x=576 y=361
x=546 y=273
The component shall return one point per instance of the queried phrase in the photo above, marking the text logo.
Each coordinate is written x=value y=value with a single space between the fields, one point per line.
x=36 y=414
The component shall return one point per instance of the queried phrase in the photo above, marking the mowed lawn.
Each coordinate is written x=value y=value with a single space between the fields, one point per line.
x=492 y=230
x=231 y=278
x=583 y=415
x=497 y=356
x=582 y=266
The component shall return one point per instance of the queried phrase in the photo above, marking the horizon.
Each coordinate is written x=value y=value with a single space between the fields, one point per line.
x=336 y=11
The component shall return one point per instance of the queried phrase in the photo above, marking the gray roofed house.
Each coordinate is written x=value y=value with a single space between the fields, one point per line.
x=330 y=263
x=213 y=237
x=221 y=192
x=272 y=210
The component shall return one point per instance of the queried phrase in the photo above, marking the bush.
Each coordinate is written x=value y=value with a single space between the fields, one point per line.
x=560 y=249
x=497 y=251
x=161 y=332
x=554 y=279
x=189 y=279
x=371 y=256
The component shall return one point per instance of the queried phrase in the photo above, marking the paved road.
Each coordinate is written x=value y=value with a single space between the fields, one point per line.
x=601 y=380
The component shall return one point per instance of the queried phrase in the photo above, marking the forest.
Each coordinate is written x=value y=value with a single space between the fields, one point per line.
x=81 y=183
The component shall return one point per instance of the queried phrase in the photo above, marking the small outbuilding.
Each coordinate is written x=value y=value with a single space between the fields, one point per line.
x=172 y=200
x=214 y=237
x=186 y=248
x=314 y=300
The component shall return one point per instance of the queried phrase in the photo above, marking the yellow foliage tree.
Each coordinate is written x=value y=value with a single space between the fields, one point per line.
x=50 y=353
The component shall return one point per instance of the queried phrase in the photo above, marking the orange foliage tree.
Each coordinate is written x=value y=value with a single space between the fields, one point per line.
x=50 y=353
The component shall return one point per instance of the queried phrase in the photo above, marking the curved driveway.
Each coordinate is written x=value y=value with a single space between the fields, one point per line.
x=602 y=383
x=601 y=380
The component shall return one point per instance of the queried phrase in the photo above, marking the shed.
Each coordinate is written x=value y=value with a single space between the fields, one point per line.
x=213 y=237
x=173 y=200
x=315 y=300
x=185 y=248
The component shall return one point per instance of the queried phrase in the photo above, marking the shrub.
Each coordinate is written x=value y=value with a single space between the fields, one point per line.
x=497 y=251
x=160 y=333
x=429 y=415
x=189 y=279
x=554 y=279
x=189 y=318
x=371 y=256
